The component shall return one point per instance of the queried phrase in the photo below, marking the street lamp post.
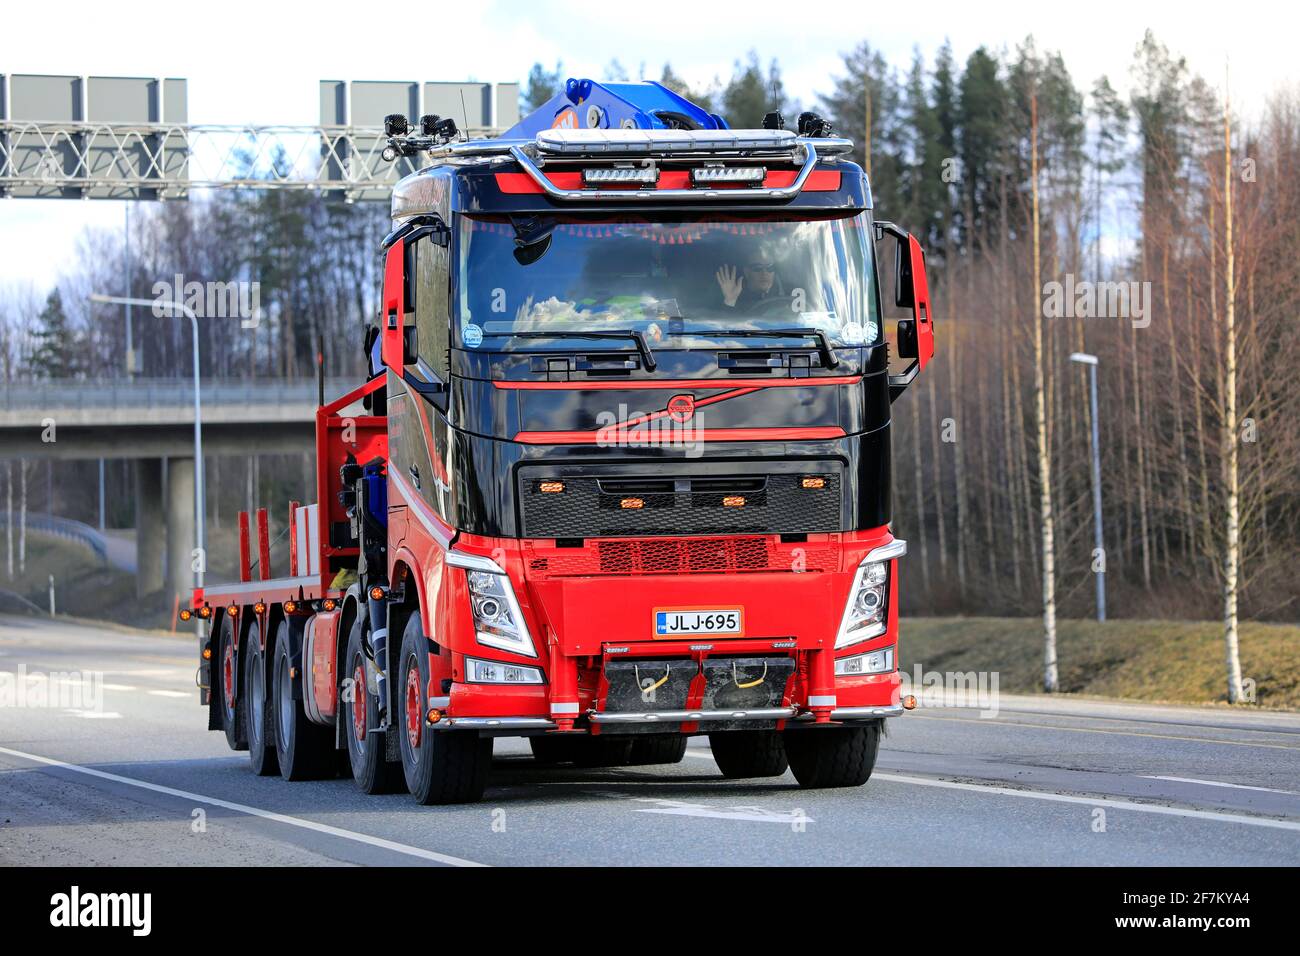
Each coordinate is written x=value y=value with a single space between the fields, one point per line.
x=1083 y=358
x=199 y=504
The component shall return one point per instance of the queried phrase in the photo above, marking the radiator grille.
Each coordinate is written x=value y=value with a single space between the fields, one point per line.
x=768 y=504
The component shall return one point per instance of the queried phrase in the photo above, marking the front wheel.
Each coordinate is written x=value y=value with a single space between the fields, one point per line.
x=833 y=756
x=441 y=766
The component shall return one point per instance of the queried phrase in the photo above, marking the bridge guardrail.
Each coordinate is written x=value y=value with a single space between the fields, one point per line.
x=65 y=528
x=147 y=393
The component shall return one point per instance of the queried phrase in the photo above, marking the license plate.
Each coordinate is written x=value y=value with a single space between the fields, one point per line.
x=675 y=621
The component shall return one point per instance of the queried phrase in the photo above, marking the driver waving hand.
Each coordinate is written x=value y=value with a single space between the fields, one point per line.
x=758 y=283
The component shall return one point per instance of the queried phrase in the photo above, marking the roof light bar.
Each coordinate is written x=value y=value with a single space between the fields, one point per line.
x=594 y=141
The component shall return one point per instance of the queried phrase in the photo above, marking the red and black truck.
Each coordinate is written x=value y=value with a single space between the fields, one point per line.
x=620 y=475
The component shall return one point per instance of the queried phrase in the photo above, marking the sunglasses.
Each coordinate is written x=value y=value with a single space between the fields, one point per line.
x=760 y=267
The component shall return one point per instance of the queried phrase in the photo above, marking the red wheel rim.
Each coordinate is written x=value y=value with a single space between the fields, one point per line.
x=228 y=676
x=414 y=712
x=359 y=703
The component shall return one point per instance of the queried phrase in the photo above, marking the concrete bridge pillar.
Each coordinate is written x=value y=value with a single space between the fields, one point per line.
x=148 y=526
x=180 y=526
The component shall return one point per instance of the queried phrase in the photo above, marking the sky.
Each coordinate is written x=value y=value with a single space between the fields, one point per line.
x=263 y=65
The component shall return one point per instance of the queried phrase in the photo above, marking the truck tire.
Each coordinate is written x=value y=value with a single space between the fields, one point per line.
x=594 y=753
x=657 y=749
x=261 y=740
x=554 y=749
x=590 y=753
x=225 y=686
x=748 y=753
x=834 y=756
x=359 y=712
x=440 y=766
x=304 y=750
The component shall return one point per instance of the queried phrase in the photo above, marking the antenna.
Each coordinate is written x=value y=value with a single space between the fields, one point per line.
x=464 y=114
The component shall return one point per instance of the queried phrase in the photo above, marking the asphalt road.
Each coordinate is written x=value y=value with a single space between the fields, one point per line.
x=139 y=780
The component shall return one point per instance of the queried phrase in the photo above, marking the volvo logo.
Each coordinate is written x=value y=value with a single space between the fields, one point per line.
x=681 y=408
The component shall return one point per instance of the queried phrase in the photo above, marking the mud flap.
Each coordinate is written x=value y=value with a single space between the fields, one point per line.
x=745 y=683
x=646 y=686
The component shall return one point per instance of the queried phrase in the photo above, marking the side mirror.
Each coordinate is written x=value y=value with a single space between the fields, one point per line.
x=911 y=291
x=904 y=294
x=397 y=341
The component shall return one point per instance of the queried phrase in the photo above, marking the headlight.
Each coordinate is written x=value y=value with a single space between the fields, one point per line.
x=497 y=619
x=497 y=672
x=873 y=662
x=867 y=607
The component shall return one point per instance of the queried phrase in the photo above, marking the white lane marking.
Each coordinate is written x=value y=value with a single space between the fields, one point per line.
x=681 y=808
x=1095 y=802
x=95 y=714
x=250 y=811
x=1087 y=801
x=119 y=687
x=1215 y=783
x=169 y=693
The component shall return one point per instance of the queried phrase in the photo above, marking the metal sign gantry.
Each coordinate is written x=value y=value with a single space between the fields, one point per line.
x=128 y=138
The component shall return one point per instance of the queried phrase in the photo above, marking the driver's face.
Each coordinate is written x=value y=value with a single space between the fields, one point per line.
x=760 y=274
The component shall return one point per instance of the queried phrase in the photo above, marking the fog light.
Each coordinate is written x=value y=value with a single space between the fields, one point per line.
x=708 y=175
x=873 y=662
x=496 y=672
x=604 y=175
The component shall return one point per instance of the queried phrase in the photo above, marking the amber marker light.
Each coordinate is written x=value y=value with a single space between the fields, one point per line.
x=260 y=607
x=631 y=503
x=290 y=607
x=186 y=614
x=205 y=612
x=733 y=501
x=814 y=482
x=376 y=593
x=551 y=487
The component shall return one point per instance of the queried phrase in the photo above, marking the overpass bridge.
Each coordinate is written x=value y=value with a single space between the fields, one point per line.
x=152 y=422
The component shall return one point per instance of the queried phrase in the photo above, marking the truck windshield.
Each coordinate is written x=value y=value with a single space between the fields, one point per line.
x=682 y=283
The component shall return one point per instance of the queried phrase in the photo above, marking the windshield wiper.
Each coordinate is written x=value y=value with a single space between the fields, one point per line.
x=647 y=357
x=823 y=344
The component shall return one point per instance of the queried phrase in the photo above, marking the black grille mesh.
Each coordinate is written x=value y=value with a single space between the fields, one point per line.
x=585 y=509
